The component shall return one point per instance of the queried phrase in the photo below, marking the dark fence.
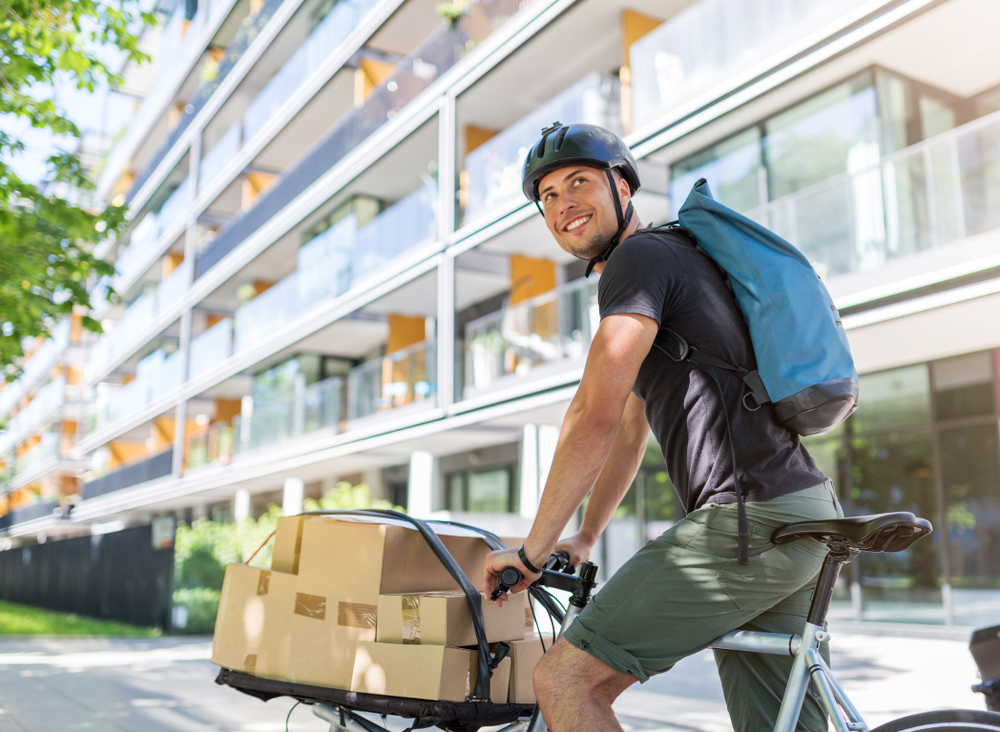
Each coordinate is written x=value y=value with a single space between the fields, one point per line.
x=116 y=576
x=157 y=466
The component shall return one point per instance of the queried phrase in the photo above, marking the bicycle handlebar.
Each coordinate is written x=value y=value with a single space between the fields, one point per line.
x=557 y=573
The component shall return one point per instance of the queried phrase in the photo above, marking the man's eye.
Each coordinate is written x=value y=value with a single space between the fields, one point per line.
x=580 y=180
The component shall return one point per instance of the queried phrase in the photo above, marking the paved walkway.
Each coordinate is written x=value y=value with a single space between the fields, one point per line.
x=166 y=684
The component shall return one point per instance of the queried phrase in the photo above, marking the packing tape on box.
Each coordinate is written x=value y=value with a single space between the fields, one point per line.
x=411 y=619
x=250 y=663
x=263 y=582
x=349 y=614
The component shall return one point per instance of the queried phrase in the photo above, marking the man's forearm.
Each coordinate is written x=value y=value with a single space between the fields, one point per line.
x=584 y=444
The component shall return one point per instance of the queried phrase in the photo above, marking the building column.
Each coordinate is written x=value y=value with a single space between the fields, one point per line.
x=241 y=505
x=292 y=496
x=420 y=499
x=538 y=448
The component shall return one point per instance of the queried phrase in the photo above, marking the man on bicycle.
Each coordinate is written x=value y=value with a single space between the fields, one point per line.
x=686 y=588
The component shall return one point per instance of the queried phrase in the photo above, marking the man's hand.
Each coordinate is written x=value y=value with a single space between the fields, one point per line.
x=495 y=564
x=577 y=548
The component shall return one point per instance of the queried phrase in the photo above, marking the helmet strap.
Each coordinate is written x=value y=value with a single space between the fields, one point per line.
x=623 y=222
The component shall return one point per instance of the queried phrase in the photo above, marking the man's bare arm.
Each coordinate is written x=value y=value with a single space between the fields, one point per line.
x=588 y=432
x=613 y=483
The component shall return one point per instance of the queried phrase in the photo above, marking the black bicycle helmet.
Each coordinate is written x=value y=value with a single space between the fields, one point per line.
x=580 y=144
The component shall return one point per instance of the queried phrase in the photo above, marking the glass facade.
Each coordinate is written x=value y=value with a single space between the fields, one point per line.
x=924 y=440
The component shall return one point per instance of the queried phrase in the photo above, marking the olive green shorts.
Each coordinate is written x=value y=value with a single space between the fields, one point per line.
x=685 y=589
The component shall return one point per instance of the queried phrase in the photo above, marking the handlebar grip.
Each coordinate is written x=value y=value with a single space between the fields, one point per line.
x=510 y=576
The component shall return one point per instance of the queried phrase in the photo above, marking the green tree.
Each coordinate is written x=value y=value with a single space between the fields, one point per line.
x=46 y=243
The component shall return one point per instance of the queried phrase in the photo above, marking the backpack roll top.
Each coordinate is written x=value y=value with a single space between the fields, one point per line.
x=803 y=357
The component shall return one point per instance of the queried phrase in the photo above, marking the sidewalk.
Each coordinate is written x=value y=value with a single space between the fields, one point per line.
x=166 y=684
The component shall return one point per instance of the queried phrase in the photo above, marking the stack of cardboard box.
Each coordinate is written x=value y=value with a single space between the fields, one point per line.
x=359 y=604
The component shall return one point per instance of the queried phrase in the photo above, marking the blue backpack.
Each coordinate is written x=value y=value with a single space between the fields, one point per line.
x=804 y=364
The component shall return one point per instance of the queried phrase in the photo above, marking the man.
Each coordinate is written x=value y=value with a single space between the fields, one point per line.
x=685 y=589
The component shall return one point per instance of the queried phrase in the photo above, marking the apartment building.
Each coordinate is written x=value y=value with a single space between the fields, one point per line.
x=330 y=272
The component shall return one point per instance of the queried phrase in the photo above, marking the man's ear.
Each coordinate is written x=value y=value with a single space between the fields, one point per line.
x=624 y=192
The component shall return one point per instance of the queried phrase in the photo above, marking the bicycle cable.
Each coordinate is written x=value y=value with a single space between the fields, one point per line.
x=289 y=717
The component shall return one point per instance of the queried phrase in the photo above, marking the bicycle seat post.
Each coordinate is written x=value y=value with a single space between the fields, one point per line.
x=837 y=557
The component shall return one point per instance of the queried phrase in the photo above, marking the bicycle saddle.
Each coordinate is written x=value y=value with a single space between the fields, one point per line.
x=884 y=532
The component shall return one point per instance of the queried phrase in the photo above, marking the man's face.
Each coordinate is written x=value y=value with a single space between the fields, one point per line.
x=579 y=210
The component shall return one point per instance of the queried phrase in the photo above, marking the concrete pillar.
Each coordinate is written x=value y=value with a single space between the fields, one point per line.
x=373 y=479
x=530 y=490
x=423 y=467
x=548 y=438
x=241 y=505
x=291 y=499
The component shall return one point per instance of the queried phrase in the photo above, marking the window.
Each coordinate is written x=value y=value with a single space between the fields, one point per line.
x=482 y=491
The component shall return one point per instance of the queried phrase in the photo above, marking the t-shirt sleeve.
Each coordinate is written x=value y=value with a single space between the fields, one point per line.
x=638 y=279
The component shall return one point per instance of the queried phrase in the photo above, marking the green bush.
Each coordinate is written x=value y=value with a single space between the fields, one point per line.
x=202 y=605
x=203 y=549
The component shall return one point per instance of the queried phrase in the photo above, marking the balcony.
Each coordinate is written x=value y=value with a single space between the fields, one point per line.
x=412 y=76
x=404 y=379
x=548 y=334
x=46 y=451
x=279 y=414
x=138 y=317
x=909 y=204
x=154 y=225
x=492 y=175
x=157 y=466
x=248 y=32
x=36 y=368
x=214 y=444
x=713 y=41
x=211 y=347
x=40 y=410
x=215 y=161
x=37 y=510
x=330 y=263
x=155 y=375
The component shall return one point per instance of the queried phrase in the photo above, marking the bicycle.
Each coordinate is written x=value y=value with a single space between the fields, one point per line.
x=845 y=539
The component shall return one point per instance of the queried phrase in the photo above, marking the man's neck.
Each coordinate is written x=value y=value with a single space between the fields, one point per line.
x=633 y=226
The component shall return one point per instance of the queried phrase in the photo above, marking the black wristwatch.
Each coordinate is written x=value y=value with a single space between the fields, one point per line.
x=524 y=560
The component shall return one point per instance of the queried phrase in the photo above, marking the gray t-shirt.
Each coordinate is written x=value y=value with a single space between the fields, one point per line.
x=662 y=275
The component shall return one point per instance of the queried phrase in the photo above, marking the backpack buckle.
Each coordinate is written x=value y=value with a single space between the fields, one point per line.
x=750 y=396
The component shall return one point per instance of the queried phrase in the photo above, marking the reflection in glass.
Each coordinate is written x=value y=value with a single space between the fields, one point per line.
x=970 y=466
x=895 y=472
x=894 y=398
x=732 y=167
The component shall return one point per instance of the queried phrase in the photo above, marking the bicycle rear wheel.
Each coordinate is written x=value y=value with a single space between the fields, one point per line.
x=946 y=720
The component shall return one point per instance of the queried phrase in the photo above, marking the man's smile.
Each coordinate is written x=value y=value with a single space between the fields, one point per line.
x=577 y=223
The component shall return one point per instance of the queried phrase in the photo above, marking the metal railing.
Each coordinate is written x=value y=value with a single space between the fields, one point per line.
x=214 y=444
x=272 y=418
x=554 y=326
x=416 y=72
x=923 y=197
x=386 y=383
x=493 y=170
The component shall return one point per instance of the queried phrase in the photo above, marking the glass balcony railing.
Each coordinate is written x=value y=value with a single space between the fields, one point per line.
x=330 y=263
x=493 y=170
x=223 y=153
x=37 y=367
x=326 y=38
x=278 y=416
x=267 y=312
x=45 y=451
x=393 y=381
x=215 y=73
x=442 y=50
x=39 y=410
x=713 y=40
x=140 y=314
x=211 y=348
x=214 y=444
x=148 y=231
x=553 y=327
x=924 y=197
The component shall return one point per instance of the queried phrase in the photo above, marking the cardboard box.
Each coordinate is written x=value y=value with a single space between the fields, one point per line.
x=424 y=672
x=524 y=656
x=253 y=629
x=444 y=619
x=287 y=544
x=344 y=565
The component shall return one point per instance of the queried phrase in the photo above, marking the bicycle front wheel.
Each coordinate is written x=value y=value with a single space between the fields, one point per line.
x=946 y=720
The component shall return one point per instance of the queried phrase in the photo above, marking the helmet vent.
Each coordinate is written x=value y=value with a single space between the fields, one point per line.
x=560 y=136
